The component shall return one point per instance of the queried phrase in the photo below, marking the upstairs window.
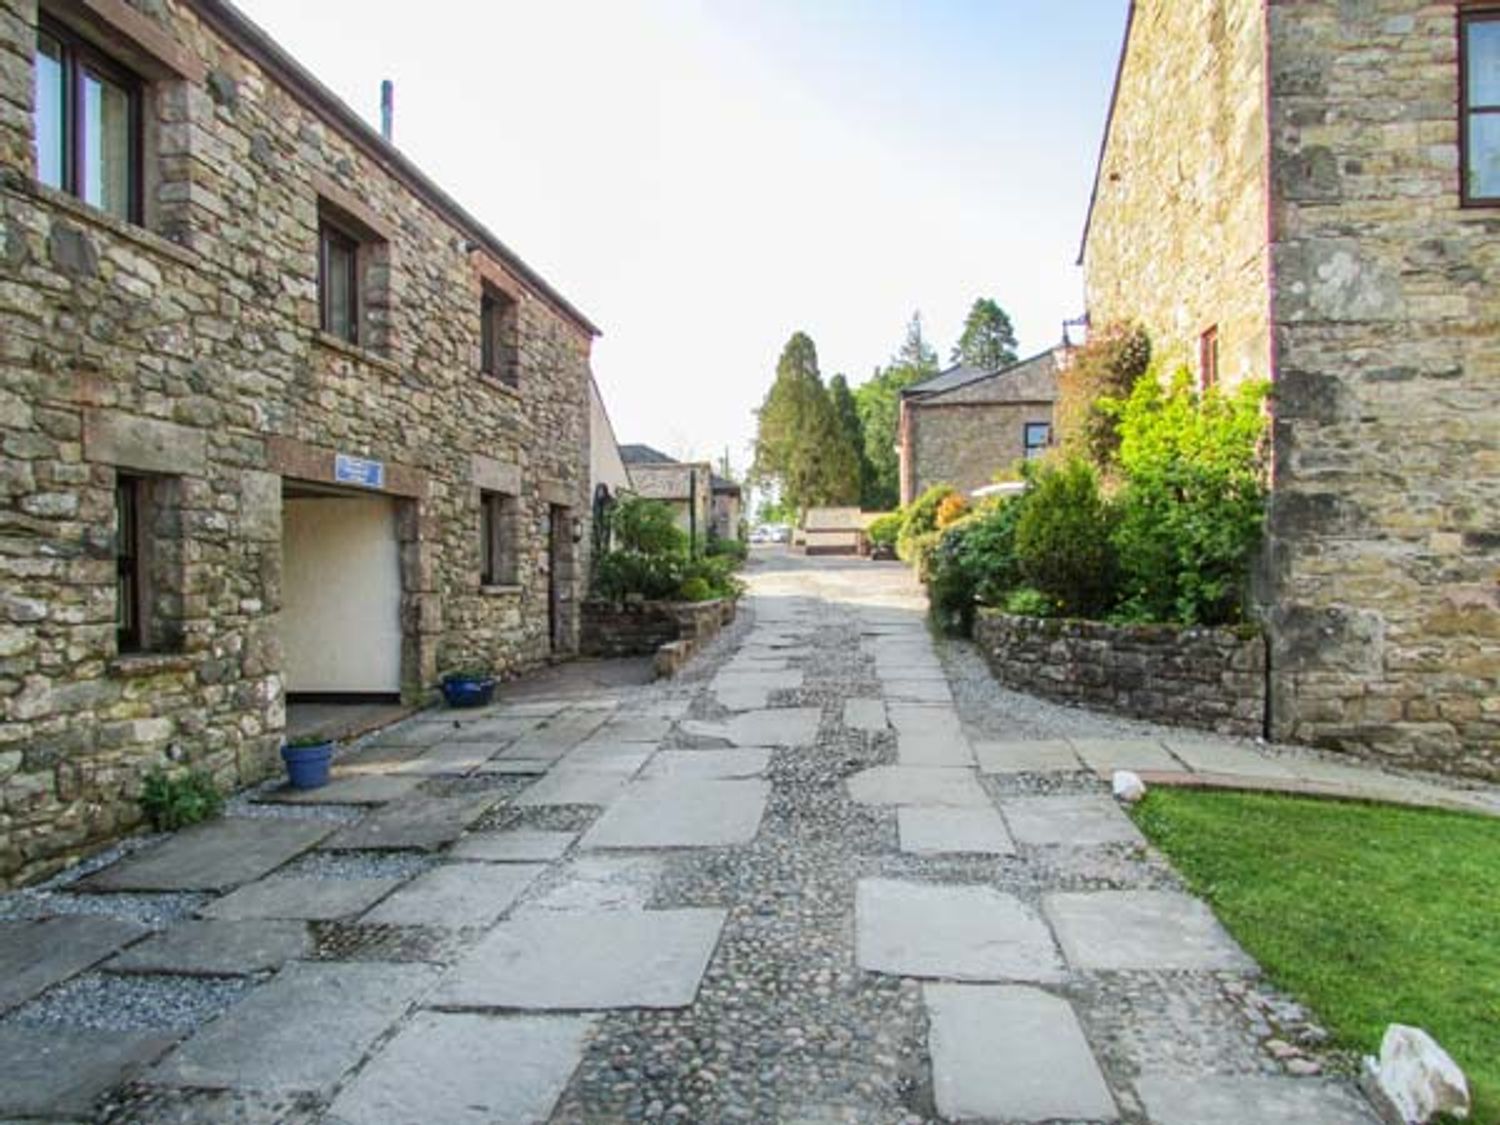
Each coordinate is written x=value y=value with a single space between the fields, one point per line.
x=338 y=281
x=497 y=337
x=1208 y=359
x=1037 y=436
x=88 y=124
x=1479 y=48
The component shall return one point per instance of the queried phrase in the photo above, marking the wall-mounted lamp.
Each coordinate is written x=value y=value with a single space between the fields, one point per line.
x=578 y=529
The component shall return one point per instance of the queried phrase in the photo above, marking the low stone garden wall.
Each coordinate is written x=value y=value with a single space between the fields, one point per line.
x=1213 y=679
x=643 y=628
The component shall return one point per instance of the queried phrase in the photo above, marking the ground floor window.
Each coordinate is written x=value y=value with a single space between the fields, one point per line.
x=130 y=572
x=1037 y=437
x=497 y=539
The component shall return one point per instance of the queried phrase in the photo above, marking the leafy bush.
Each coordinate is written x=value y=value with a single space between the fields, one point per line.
x=1027 y=601
x=883 y=530
x=974 y=562
x=1115 y=358
x=920 y=518
x=696 y=589
x=953 y=508
x=1193 y=507
x=648 y=527
x=173 y=801
x=619 y=575
x=1063 y=540
x=733 y=549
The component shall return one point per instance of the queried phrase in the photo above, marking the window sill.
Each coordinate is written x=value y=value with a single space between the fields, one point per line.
x=87 y=213
x=509 y=589
x=137 y=665
x=355 y=351
x=500 y=385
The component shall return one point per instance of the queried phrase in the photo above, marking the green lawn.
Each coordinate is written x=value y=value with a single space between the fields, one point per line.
x=1368 y=914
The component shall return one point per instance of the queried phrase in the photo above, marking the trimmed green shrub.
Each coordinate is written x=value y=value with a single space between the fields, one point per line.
x=620 y=575
x=1063 y=540
x=953 y=508
x=974 y=562
x=1193 y=507
x=884 y=530
x=920 y=518
x=647 y=526
x=696 y=589
x=733 y=549
x=173 y=801
x=1029 y=602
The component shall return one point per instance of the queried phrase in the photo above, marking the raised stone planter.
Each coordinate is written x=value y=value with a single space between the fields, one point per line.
x=618 y=629
x=1214 y=679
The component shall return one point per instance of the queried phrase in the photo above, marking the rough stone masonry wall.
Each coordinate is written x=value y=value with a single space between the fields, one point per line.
x=967 y=444
x=640 y=628
x=1385 y=520
x=1213 y=679
x=1177 y=235
x=190 y=348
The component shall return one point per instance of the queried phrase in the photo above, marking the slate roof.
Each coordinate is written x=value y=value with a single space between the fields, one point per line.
x=956 y=376
x=723 y=484
x=1030 y=378
x=644 y=455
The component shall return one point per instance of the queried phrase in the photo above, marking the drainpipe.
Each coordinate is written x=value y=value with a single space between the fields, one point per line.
x=693 y=512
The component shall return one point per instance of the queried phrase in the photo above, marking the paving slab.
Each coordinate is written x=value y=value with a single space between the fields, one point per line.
x=556 y=736
x=951 y=932
x=929 y=736
x=419 y=823
x=350 y=789
x=1213 y=1099
x=514 y=845
x=462 y=1067
x=576 y=785
x=1113 y=930
x=604 y=959
x=211 y=857
x=1012 y=1054
x=448 y=758
x=1076 y=820
x=917 y=786
x=526 y=767
x=302 y=898
x=216 y=948
x=781 y=726
x=1208 y=755
x=750 y=691
x=415 y=732
x=865 y=714
x=589 y=883
x=906 y=689
x=61 y=1071
x=1054 y=755
x=937 y=831
x=302 y=1031
x=631 y=727
x=1105 y=755
x=707 y=764
x=456 y=895
x=682 y=813
x=621 y=757
x=35 y=955
x=498 y=730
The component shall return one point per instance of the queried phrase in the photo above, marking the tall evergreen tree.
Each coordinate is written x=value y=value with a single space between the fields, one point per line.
x=847 y=412
x=879 y=403
x=989 y=339
x=799 y=442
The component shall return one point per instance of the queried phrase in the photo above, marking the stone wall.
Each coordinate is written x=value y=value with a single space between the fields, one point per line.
x=1177 y=232
x=967 y=444
x=1384 y=571
x=1212 y=679
x=187 y=348
x=617 y=629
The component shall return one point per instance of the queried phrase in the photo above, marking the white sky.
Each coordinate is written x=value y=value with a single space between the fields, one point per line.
x=704 y=178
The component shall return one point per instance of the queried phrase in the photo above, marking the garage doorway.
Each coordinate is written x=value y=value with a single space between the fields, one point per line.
x=341 y=595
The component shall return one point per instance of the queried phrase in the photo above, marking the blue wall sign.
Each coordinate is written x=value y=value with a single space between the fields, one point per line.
x=358 y=470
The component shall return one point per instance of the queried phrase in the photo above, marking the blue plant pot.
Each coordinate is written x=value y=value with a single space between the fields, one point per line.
x=307 y=766
x=468 y=693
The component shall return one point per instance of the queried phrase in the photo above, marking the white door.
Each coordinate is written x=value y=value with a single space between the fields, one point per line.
x=341 y=594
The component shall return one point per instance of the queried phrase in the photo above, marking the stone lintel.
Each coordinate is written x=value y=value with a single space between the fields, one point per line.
x=496 y=476
x=124 y=32
x=555 y=492
x=129 y=441
x=352 y=207
x=491 y=272
x=297 y=459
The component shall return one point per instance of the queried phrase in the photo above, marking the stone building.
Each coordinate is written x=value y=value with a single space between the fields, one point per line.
x=728 y=508
x=684 y=486
x=279 y=419
x=1309 y=192
x=964 y=425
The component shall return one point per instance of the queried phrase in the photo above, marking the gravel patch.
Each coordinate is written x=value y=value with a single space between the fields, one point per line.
x=110 y=1002
x=358 y=865
x=155 y=910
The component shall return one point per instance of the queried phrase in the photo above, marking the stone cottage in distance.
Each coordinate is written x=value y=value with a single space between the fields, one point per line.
x=278 y=418
x=1309 y=192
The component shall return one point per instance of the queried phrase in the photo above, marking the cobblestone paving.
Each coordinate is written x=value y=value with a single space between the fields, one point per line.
x=740 y=934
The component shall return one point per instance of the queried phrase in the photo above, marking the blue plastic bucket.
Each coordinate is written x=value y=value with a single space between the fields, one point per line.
x=307 y=766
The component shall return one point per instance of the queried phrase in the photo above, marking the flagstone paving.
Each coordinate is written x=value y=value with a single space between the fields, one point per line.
x=830 y=873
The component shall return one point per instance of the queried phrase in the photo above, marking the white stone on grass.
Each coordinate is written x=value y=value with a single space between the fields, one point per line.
x=917 y=786
x=514 y=845
x=456 y=895
x=1116 y=930
x=1216 y=1099
x=1417 y=1077
x=1012 y=1054
x=1071 y=821
x=950 y=932
x=1127 y=786
x=937 y=831
x=682 y=813
x=303 y=1030
x=1052 y=755
x=587 y=961
x=463 y=1067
